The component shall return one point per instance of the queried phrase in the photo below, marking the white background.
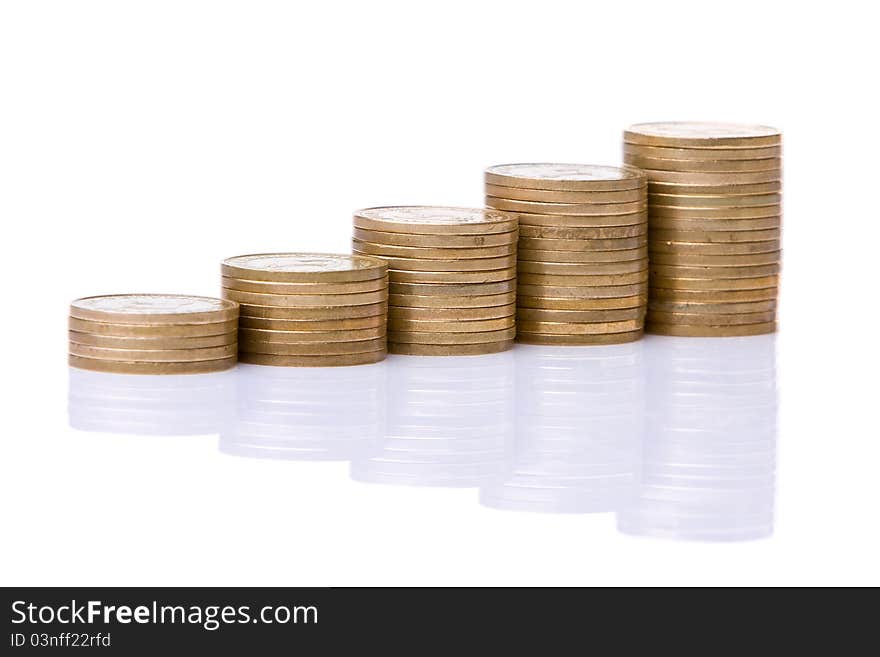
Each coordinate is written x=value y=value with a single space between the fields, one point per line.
x=142 y=142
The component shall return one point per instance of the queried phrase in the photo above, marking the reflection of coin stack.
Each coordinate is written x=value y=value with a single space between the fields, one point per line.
x=582 y=267
x=149 y=405
x=153 y=334
x=578 y=429
x=715 y=208
x=709 y=451
x=328 y=414
x=452 y=275
x=309 y=309
x=447 y=422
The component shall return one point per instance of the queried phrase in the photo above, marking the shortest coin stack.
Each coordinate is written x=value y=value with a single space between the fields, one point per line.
x=153 y=334
x=309 y=309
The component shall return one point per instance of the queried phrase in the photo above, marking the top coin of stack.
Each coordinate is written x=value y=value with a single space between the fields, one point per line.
x=582 y=267
x=153 y=334
x=309 y=309
x=452 y=274
x=715 y=213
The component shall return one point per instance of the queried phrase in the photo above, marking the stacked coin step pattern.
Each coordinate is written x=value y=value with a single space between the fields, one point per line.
x=582 y=259
x=715 y=220
x=153 y=334
x=309 y=309
x=452 y=277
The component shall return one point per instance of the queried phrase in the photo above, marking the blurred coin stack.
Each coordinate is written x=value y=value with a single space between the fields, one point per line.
x=308 y=309
x=715 y=213
x=452 y=277
x=153 y=334
x=582 y=267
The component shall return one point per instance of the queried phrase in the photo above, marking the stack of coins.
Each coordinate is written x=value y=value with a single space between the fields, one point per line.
x=715 y=210
x=153 y=334
x=309 y=309
x=582 y=268
x=452 y=274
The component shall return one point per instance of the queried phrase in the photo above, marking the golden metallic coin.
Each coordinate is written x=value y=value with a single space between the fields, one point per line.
x=581 y=292
x=713 y=296
x=589 y=280
x=702 y=166
x=153 y=309
x=581 y=268
x=434 y=220
x=351 y=324
x=264 y=287
x=691 y=260
x=432 y=326
x=311 y=348
x=675 y=271
x=343 y=360
x=110 y=329
x=453 y=277
x=425 y=337
x=434 y=301
x=708 y=249
x=714 y=236
x=601 y=232
x=698 y=308
x=719 y=179
x=556 y=339
x=692 y=134
x=761 y=223
x=755 y=283
x=314 y=313
x=755 y=212
x=117 y=367
x=698 y=319
x=479 y=349
x=711 y=331
x=565 y=177
x=772 y=187
x=246 y=335
x=531 y=207
x=543 y=255
x=152 y=355
x=714 y=200
x=581 y=221
x=568 y=328
x=152 y=343
x=464 y=315
x=673 y=153
x=434 y=241
x=544 y=244
x=473 y=264
x=453 y=289
x=305 y=300
x=578 y=316
x=609 y=303
x=303 y=267
x=418 y=253
x=556 y=196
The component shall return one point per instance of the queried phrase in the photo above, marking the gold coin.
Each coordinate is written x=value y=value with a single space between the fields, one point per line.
x=425 y=337
x=711 y=331
x=756 y=283
x=454 y=277
x=713 y=296
x=305 y=300
x=472 y=264
x=581 y=292
x=264 y=287
x=697 y=319
x=772 y=187
x=565 y=177
x=452 y=314
x=719 y=179
x=609 y=303
x=676 y=271
x=532 y=207
x=109 y=329
x=602 y=232
x=434 y=301
x=762 y=223
x=714 y=236
x=434 y=220
x=569 y=328
x=351 y=324
x=544 y=244
x=432 y=326
x=556 y=196
x=690 y=260
x=692 y=134
x=589 y=280
x=707 y=249
x=672 y=153
x=418 y=252
x=714 y=201
x=153 y=343
x=152 y=355
x=153 y=309
x=479 y=349
x=578 y=257
x=117 y=367
x=314 y=313
x=453 y=289
x=343 y=360
x=434 y=241
x=574 y=340
x=698 y=308
x=246 y=335
x=303 y=267
x=581 y=268
x=702 y=166
x=581 y=221
x=578 y=316
x=311 y=348
x=755 y=212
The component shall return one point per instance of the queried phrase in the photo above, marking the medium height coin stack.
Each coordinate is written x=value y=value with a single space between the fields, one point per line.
x=452 y=277
x=715 y=212
x=309 y=309
x=582 y=264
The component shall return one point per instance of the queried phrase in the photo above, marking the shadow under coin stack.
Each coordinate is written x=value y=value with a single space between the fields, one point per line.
x=452 y=274
x=582 y=267
x=153 y=334
x=309 y=309
x=715 y=213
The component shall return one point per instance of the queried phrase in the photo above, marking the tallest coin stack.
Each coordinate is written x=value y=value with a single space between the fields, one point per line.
x=714 y=216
